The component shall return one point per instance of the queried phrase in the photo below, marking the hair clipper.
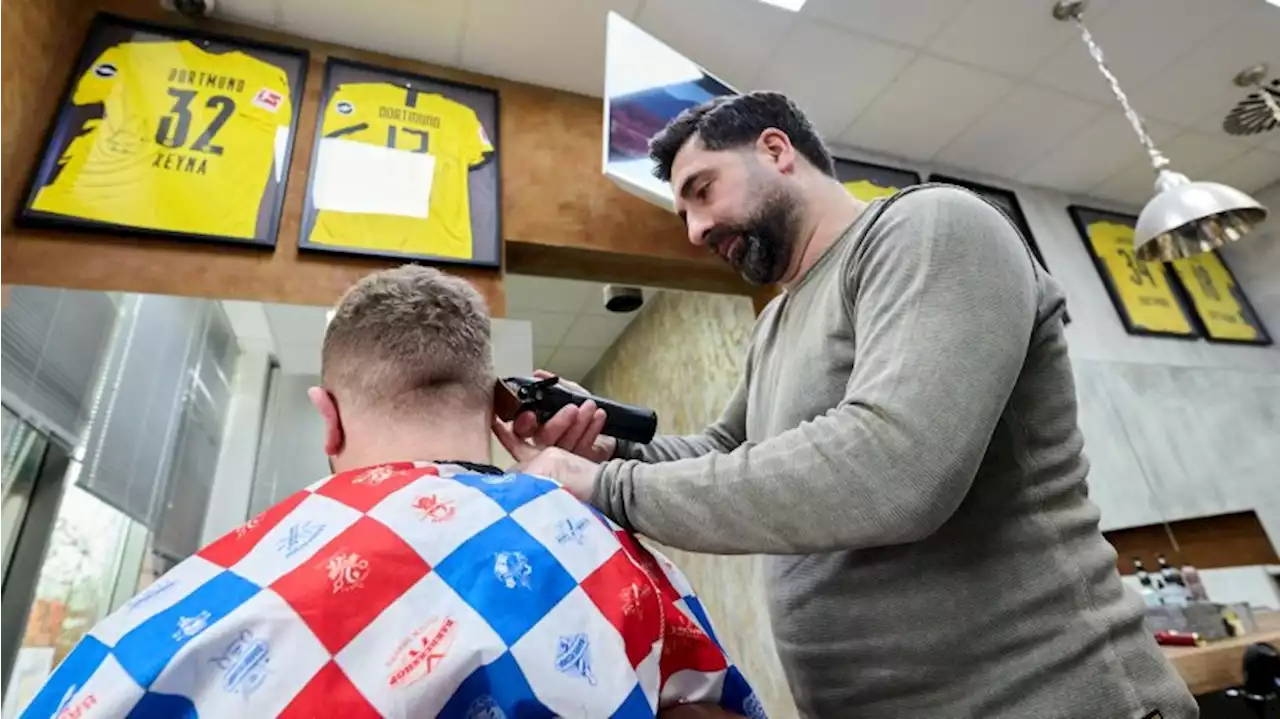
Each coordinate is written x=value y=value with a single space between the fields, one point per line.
x=545 y=397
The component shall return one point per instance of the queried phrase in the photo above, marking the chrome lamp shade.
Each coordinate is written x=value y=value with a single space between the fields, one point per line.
x=1187 y=218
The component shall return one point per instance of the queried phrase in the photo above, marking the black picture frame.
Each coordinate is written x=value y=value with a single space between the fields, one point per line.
x=108 y=31
x=885 y=179
x=1081 y=217
x=1206 y=330
x=1007 y=202
x=485 y=215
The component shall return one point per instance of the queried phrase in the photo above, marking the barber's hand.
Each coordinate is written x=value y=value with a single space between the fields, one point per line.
x=577 y=474
x=575 y=428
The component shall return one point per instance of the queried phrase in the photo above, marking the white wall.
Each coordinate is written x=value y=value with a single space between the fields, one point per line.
x=1195 y=421
x=233 y=480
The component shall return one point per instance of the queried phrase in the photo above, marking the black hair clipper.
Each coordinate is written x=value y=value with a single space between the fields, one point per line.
x=545 y=397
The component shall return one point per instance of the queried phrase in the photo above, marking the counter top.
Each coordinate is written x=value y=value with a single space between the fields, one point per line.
x=1216 y=666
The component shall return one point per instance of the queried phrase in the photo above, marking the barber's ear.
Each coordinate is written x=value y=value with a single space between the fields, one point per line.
x=327 y=406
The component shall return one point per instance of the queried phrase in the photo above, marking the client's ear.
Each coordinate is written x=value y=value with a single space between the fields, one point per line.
x=327 y=406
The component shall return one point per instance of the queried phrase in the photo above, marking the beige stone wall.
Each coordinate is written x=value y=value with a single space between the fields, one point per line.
x=682 y=356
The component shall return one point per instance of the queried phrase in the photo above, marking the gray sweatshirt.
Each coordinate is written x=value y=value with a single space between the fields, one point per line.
x=904 y=441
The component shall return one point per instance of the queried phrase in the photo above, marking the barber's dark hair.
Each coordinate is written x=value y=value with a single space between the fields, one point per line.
x=736 y=120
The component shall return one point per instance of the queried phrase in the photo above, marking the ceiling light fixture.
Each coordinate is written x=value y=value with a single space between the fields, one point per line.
x=1185 y=218
x=794 y=5
x=1249 y=117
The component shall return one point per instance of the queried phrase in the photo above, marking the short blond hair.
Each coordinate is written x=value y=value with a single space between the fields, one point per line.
x=405 y=339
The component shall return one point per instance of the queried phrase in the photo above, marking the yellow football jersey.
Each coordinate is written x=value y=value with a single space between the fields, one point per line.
x=400 y=118
x=186 y=141
x=867 y=191
x=1143 y=287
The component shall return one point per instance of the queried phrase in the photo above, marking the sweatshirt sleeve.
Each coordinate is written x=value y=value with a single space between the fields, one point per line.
x=943 y=298
x=724 y=435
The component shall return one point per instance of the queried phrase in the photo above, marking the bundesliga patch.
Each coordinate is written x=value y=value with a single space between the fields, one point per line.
x=268 y=100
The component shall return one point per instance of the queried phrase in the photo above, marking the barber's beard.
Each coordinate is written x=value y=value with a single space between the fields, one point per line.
x=768 y=237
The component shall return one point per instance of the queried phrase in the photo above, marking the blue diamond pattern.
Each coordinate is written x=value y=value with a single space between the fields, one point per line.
x=497 y=685
x=511 y=491
x=72 y=673
x=536 y=581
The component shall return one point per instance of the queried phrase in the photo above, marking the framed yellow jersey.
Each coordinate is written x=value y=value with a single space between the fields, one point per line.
x=1143 y=293
x=867 y=181
x=170 y=132
x=1221 y=307
x=404 y=166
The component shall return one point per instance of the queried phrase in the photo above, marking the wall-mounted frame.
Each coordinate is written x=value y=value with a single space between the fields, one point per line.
x=1143 y=293
x=868 y=181
x=404 y=166
x=170 y=133
x=1222 y=310
x=1008 y=203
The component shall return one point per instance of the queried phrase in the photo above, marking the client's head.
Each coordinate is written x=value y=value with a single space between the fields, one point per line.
x=406 y=371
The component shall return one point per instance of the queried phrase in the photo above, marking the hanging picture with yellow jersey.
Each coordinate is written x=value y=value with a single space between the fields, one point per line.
x=867 y=181
x=1144 y=293
x=170 y=132
x=1221 y=307
x=404 y=166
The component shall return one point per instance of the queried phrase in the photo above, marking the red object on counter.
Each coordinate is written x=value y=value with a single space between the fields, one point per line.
x=1178 y=639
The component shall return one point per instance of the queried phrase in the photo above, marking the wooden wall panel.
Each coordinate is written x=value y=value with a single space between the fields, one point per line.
x=560 y=216
x=1225 y=540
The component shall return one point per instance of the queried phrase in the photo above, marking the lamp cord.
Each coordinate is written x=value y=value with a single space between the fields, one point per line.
x=1158 y=160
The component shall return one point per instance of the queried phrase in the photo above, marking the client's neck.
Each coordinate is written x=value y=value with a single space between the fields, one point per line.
x=369 y=442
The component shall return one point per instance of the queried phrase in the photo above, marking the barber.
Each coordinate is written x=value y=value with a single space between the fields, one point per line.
x=903 y=441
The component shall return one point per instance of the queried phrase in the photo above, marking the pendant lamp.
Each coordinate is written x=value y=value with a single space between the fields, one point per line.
x=1185 y=218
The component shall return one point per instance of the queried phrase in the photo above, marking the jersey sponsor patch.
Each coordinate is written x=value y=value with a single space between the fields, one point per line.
x=268 y=100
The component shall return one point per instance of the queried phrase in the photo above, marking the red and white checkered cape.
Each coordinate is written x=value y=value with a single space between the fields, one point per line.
x=407 y=589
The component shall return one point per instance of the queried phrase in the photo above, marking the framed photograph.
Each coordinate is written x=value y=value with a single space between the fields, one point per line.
x=1223 y=311
x=867 y=181
x=170 y=133
x=404 y=166
x=1144 y=293
x=1007 y=201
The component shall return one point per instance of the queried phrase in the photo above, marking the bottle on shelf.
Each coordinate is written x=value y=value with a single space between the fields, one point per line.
x=1175 y=588
x=1150 y=595
x=1191 y=576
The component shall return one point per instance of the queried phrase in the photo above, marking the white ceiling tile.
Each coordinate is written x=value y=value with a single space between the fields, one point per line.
x=1017 y=130
x=250 y=12
x=1195 y=153
x=931 y=102
x=547 y=294
x=1273 y=141
x=732 y=39
x=1250 y=172
x=596 y=330
x=427 y=31
x=542 y=356
x=1103 y=148
x=813 y=59
x=549 y=328
x=1133 y=185
x=1138 y=38
x=556 y=43
x=297 y=324
x=248 y=320
x=1012 y=37
x=912 y=22
x=1196 y=89
x=574 y=363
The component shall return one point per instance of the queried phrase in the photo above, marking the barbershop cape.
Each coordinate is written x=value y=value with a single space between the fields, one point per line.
x=408 y=589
